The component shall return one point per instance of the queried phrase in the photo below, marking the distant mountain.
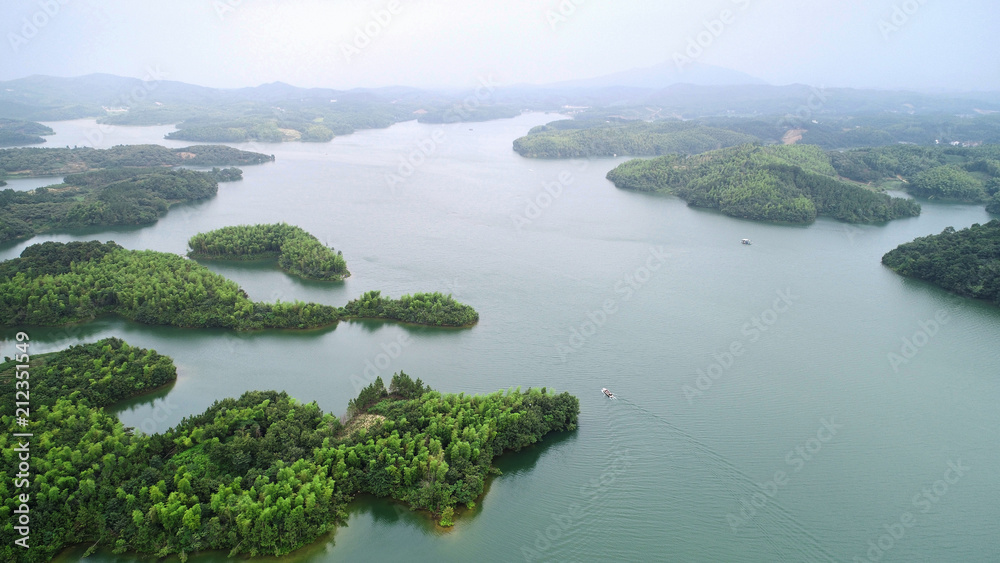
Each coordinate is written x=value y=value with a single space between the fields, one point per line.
x=52 y=98
x=663 y=75
x=45 y=98
x=808 y=102
x=663 y=90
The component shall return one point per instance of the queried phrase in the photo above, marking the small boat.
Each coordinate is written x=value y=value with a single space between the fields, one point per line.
x=745 y=241
x=607 y=393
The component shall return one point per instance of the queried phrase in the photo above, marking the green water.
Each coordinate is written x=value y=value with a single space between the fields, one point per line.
x=653 y=475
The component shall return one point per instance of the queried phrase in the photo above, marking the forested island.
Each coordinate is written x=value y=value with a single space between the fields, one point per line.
x=259 y=129
x=53 y=284
x=578 y=139
x=26 y=162
x=420 y=308
x=297 y=252
x=312 y=120
x=788 y=183
x=260 y=475
x=19 y=132
x=966 y=262
x=459 y=112
x=106 y=197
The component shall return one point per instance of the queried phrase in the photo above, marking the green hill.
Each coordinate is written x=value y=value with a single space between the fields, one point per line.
x=966 y=174
x=579 y=139
x=793 y=183
x=18 y=132
x=966 y=262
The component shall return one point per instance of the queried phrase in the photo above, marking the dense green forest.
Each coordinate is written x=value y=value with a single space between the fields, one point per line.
x=297 y=251
x=966 y=262
x=970 y=174
x=107 y=197
x=53 y=284
x=260 y=129
x=311 y=121
x=576 y=139
x=874 y=130
x=22 y=162
x=994 y=205
x=421 y=308
x=122 y=372
x=791 y=183
x=19 y=132
x=457 y=112
x=299 y=122
x=260 y=475
x=616 y=130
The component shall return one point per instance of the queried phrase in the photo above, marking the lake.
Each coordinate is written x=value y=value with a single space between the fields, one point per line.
x=791 y=400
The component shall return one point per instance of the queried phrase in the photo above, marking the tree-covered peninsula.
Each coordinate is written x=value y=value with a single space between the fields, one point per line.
x=260 y=475
x=54 y=284
x=586 y=138
x=296 y=251
x=108 y=197
x=965 y=174
x=18 y=132
x=788 y=183
x=24 y=162
x=966 y=262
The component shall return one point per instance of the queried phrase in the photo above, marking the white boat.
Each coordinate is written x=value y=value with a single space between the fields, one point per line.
x=607 y=393
x=746 y=241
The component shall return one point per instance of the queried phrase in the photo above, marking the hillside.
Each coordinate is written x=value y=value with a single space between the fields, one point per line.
x=794 y=183
x=580 y=139
x=966 y=262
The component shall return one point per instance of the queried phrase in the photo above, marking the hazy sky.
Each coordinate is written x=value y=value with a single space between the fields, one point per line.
x=342 y=44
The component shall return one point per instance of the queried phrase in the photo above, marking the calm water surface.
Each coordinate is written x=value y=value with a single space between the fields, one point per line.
x=585 y=286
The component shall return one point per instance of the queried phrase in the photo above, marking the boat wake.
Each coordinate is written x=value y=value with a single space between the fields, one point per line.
x=778 y=527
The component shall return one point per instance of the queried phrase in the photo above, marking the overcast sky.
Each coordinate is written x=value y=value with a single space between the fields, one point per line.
x=924 y=44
